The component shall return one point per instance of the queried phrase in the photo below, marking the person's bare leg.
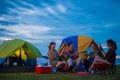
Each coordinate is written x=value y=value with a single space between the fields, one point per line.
x=70 y=62
x=78 y=60
x=92 y=66
x=60 y=63
x=97 y=60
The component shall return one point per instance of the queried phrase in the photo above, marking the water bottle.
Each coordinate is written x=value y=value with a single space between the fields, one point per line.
x=54 y=70
x=48 y=62
x=92 y=72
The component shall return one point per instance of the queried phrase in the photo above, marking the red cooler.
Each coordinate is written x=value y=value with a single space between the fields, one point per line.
x=43 y=69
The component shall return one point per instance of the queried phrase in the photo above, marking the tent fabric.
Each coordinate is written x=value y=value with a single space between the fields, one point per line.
x=81 y=43
x=20 y=52
x=13 y=46
x=63 y=46
x=73 y=39
x=10 y=47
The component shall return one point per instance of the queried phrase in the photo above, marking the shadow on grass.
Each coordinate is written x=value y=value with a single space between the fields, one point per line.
x=33 y=76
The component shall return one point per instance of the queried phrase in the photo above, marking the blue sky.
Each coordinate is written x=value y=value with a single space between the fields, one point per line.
x=43 y=21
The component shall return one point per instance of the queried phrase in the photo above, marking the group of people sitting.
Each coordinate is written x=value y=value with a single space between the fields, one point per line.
x=71 y=59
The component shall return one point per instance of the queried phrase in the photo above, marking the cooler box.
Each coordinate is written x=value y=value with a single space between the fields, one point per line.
x=43 y=69
x=41 y=61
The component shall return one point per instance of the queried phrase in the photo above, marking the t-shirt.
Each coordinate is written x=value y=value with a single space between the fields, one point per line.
x=91 y=56
x=55 y=56
x=111 y=55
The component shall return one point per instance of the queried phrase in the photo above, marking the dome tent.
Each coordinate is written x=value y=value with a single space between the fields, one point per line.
x=21 y=48
x=81 y=43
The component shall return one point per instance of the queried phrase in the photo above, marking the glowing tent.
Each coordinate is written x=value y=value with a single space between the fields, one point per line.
x=20 y=48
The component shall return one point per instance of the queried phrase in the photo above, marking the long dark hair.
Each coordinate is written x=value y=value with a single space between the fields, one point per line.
x=51 y=45
x=113 y=43
x=70 y=43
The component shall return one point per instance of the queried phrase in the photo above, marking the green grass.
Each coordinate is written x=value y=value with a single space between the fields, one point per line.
x=34 y=76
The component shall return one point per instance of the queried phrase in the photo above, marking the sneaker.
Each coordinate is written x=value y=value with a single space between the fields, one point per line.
x=92 y=72
x=54 y=70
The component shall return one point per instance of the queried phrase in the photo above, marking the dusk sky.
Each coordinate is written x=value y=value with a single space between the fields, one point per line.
x=43 y=21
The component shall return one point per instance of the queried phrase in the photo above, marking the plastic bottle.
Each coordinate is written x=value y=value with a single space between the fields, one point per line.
x=54 y=70
x=92 y=72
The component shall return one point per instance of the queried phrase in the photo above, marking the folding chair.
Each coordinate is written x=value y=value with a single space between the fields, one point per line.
x=104 y=68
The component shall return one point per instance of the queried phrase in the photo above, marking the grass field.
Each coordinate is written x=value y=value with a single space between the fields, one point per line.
x=33 y=76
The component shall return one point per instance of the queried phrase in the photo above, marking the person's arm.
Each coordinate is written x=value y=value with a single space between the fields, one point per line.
x=50 y=55
x=75 y=54
x=102 y=51
x=60 y=53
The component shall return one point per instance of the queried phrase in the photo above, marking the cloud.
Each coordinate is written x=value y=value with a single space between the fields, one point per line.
x=104 y=45
x=2 y=18
x=32 y=33
x=55 y=9
x=8 y=18
x=51 y=10
x=26 y=17
x=26 y=11
x=108 y=25
x=4 y=38
x=24 y=14
x=26 y=30
x=61 y=8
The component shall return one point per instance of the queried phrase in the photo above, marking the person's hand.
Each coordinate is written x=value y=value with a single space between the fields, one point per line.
x=100 y=48
x=75 y=54
x=61 y=52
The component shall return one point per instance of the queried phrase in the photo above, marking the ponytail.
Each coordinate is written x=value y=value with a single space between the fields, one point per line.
x=115 y=45
x=49 y=47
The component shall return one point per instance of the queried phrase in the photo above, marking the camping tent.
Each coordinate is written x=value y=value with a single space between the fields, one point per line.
x=21 y=48
x=81 y=43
